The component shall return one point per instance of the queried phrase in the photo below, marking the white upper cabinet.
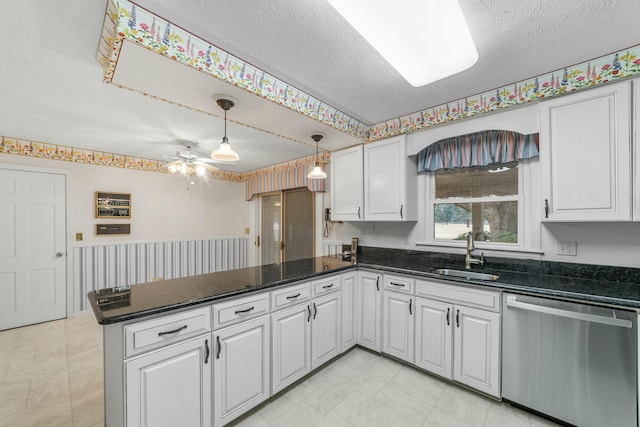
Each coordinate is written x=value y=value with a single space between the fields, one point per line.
x=585 y=154
x=374 y=182
x=346 y=185
x=390 y=179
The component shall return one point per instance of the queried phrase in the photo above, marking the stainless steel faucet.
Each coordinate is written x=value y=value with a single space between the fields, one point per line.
x=468 y=260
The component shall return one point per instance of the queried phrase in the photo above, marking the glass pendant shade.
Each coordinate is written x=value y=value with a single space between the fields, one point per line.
x=317 y=172
x=225 y=153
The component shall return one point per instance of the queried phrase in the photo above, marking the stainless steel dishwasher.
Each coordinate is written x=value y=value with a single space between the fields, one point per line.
x=574 y=362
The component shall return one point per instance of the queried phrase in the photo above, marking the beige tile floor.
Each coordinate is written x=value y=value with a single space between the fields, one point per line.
x=366 y=389
x=51 y=375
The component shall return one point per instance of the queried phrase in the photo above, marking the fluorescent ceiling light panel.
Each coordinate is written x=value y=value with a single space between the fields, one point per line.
x=424 y=40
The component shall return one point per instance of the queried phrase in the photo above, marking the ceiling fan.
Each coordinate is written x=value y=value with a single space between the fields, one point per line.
x=189 y=164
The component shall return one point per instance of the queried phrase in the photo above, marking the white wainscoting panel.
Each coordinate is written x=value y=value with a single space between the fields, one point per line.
x=106 y=266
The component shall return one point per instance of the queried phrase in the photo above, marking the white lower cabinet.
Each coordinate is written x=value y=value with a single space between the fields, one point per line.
x=476 y=355
x=369 y=308
x=326 y=327
x=241 y=369
x=170 y=386
x=290 y=345
x=459 y=343
x=398 y=311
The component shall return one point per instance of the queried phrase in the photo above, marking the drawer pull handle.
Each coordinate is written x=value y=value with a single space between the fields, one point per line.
x=457 y=318
x=378 y=283
x=206 y=354
x=397 y=284
x=244 y=311
x=448 y=317
x=219 y=347
x=174 y=331
x=327 y=286
x=309 y=318
x=315 y=311
x=293 y=296
x=410 y=302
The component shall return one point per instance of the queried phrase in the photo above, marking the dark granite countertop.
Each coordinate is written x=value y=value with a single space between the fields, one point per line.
x=117 y=305
x=614 y=286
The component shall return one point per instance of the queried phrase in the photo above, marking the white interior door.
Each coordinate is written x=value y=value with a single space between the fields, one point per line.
x=32 y=248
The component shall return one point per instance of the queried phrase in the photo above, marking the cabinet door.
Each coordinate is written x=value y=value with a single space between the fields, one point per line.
x=170 y=386
x=240 y=369
x=326 y=329
x=385 y=177
x=585 y=152
x=346 y=185
x=398 y=314
x=368 y=322
x=348 y=310
x=433 y=336
x=290 y=345
x=476 y=349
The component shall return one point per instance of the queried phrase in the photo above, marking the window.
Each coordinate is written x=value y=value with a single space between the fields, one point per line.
x=482 y=200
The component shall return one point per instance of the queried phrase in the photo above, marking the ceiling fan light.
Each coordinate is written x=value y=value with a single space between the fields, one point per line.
x=225 y=153
x=200 y=170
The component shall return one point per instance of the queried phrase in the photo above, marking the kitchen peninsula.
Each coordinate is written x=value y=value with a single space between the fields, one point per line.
x=208 y=348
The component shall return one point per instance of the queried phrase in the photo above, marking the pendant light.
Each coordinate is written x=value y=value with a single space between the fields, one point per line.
x=317 y=172
x=225 y=153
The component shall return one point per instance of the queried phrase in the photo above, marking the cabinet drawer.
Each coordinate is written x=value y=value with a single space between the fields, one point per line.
x=324 y=286
x=159 y=332
x=290 y=295
x=238 y=310
x=465 y=295
x=398 y=283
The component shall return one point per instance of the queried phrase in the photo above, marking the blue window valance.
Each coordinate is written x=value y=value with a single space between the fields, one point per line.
x=483 y=148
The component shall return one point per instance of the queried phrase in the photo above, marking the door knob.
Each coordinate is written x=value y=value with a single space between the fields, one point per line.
x=59 y=254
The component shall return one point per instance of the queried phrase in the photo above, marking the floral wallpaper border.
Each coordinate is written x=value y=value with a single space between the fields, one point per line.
x=44 y=150
x=616 y=66
x=126 y=21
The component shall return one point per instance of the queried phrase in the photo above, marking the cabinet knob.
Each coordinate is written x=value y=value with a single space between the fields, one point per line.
x=59 y=254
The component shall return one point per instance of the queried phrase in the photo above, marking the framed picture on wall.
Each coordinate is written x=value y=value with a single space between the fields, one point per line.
x=113 y=205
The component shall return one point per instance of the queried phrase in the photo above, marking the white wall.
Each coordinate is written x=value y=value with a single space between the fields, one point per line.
x=164 y=206
x=597 y=243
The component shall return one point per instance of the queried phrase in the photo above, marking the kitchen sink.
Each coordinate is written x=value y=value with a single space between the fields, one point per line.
x=469 y=275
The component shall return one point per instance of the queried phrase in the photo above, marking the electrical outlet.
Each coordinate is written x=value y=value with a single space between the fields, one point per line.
x=567 y=248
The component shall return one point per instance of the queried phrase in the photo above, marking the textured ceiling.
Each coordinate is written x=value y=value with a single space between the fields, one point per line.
x=307 y=44
x=52 y=90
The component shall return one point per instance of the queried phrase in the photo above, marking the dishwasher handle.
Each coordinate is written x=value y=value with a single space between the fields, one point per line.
x=587 y=317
